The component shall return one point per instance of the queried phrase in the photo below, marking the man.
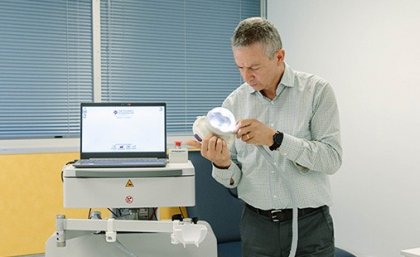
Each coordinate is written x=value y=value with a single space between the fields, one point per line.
x=288 y=142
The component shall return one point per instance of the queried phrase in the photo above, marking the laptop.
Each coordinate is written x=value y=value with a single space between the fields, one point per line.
x=116 y=135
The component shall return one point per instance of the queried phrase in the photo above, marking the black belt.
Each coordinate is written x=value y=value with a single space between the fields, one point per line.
x=279 y=215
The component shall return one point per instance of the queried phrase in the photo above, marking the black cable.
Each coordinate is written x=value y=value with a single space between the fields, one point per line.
x=153 y=214
x=113 y=213
x=180 y=210
x=62 y=171
x=71 y=162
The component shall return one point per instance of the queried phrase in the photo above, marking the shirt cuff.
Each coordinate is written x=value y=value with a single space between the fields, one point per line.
x=223 y=173
x=228 y=177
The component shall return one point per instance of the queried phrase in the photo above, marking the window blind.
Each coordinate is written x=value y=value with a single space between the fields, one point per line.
x=45 y=67
x=173 y=51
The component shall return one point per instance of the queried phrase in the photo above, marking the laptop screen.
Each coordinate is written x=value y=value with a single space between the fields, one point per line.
x=115 y=130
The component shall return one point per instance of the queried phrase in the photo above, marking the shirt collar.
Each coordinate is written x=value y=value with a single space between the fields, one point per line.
x=288 y=76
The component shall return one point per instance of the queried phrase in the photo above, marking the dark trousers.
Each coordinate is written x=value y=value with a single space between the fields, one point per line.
x=261 y=237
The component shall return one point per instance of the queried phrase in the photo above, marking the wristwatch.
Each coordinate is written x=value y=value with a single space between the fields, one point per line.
x=277 y=139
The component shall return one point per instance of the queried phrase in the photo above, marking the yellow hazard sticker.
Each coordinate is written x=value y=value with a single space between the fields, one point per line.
x=129 y=183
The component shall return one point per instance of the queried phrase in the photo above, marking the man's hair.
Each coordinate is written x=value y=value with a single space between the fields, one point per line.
x=257 y=30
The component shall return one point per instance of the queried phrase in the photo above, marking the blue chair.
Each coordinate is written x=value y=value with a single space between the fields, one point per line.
x=343 y=253
x=221 y=209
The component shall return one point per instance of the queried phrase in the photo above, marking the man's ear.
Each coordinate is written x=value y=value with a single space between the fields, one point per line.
x=280 y=54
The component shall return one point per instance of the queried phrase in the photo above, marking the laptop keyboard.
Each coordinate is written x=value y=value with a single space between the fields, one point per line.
x=120 y=162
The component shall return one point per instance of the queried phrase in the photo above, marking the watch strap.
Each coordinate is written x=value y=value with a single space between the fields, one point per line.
x=277 y=140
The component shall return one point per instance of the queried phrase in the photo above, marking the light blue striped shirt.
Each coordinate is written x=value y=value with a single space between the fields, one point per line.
x=305 y=110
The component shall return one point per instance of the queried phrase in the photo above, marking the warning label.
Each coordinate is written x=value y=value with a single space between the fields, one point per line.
x=129 y=199
x=129 y=183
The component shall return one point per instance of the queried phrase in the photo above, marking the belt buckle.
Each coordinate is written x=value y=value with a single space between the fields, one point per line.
x=274 y=216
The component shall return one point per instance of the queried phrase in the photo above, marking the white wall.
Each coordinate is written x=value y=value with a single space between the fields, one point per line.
x=370 y=51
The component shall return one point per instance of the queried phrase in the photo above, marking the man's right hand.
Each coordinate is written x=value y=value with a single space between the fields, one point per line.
x=213 y=149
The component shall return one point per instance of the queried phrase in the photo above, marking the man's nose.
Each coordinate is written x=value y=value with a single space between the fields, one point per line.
x=247 y=75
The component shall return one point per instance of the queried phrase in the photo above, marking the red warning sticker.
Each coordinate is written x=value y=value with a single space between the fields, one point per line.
x=129 y=199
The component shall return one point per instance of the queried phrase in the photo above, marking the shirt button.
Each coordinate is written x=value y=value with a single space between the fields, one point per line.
x=272 y=172
x=275 y=196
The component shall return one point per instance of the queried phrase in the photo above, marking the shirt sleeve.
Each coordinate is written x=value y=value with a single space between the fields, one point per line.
x=228 y=177
x=323 y=152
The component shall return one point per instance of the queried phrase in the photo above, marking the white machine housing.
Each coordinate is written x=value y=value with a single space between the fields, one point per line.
x=172 y=185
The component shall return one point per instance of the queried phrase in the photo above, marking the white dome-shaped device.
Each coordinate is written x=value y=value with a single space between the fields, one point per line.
x=200 y=128
x=219 y=121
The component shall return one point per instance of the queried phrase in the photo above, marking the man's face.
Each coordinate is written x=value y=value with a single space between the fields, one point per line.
x=259 y=71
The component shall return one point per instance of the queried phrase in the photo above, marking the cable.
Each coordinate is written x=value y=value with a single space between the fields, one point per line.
x=293 y=246
x=180 y=210
x=153 y=214
x=62 y=171
x=113 y=213
x=71 y=162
